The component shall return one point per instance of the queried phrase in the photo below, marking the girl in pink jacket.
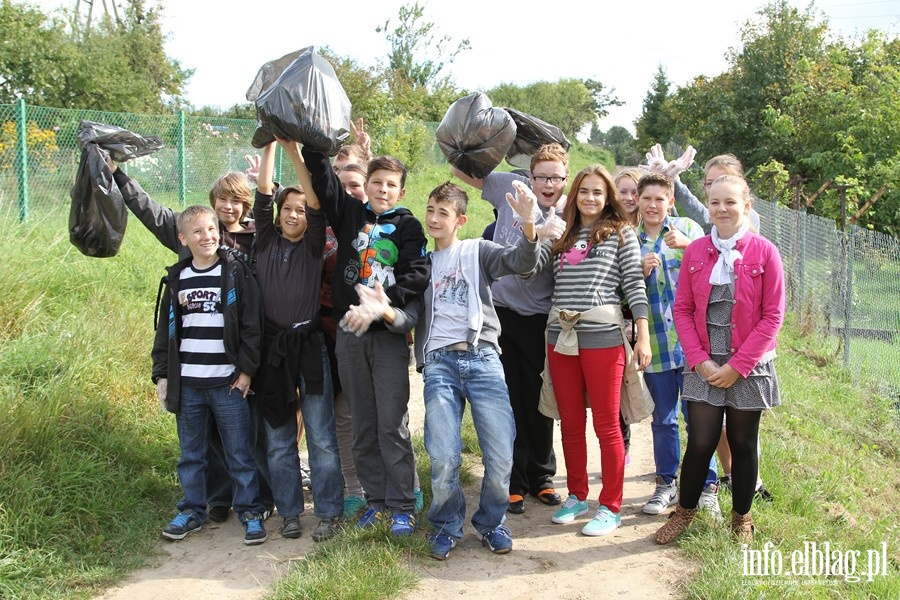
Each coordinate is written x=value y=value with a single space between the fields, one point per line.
x=728 y=310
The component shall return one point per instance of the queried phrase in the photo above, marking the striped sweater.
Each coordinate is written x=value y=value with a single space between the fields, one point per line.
x=588 y=275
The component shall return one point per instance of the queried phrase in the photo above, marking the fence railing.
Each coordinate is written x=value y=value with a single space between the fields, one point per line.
x=845 y=284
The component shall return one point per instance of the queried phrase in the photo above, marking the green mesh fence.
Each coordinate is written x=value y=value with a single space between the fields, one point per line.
x=36 y=176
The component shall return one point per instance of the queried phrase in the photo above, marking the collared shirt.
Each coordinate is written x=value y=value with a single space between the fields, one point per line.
x=661 y=285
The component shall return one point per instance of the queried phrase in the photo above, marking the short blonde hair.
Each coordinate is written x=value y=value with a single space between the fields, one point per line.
x=232 y=185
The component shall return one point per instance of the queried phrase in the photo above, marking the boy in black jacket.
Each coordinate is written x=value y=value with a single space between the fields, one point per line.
x=377 y=242
x=206 y=350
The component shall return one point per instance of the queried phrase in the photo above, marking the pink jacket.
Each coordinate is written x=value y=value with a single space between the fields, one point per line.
x=759 y=301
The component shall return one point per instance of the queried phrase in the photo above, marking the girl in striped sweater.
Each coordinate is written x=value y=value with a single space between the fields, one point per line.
x=595 y=262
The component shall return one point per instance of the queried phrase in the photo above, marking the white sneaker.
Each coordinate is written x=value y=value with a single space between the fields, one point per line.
x=709 y=500
x=665 y=496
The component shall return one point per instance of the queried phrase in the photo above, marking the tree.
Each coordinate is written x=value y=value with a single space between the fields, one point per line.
x=655 y=123
x=570 y=104
x=112 y=66
x=416 y=79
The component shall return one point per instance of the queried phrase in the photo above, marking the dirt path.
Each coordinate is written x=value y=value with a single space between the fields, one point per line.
x=547 y=562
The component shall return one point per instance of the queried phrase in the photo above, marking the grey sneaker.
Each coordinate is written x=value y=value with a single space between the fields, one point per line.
x=709 y=500
x=291 y=528
x=305 y=480
x=327 y=529
x=665 y=496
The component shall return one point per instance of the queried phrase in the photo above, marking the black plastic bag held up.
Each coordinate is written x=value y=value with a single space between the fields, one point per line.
x=531 y=134
x=98 y=216
x=298 y=97
x=475 y=136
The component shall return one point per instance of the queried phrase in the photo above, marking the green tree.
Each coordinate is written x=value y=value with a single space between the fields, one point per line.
x=117 y=66
x=417 y=62
x=655 y=123
x=570 y=104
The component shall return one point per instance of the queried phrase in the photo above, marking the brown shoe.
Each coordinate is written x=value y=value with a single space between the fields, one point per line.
x=742 y=527
x=675 y=526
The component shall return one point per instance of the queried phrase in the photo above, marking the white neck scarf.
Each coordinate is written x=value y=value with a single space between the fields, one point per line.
x=724 y=268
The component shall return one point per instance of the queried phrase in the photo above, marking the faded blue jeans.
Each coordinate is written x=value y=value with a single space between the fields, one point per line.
x=232 y=415
x=665 y=388
x=450 y=378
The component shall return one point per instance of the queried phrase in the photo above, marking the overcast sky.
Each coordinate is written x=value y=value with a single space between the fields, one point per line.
x=617 y=43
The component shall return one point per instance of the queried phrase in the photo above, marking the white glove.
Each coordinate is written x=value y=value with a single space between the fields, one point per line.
x=162 y=388
x=524 y=203
x=682 y=163
x=373 y=302
x=656 y=160
x=551 y=229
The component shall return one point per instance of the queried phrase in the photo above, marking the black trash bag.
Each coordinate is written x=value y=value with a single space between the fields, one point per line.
x=98 y=215
x=270 y=72
x=475 y=136
x=305 y=103
x=121 y=144
x=262 y=137
x=531 y=134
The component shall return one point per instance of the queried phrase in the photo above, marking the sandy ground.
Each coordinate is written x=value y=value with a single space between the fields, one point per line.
x=548 y=561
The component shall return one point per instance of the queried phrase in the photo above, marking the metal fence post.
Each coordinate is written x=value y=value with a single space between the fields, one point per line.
x=22 y=158
x=182 y=161
x=277 y=173
x=846 y=260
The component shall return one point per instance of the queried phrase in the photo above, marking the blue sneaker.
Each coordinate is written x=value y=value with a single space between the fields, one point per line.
x=420 y=499
x=254 y=530
x=403 y=524
x=570 y=510
x=604 y=523
x=498 y=539
x=183 y=524
x=369 y=518
x=441 y=545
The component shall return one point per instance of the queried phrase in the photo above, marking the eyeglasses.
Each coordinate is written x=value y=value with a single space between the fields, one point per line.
x=555 y=180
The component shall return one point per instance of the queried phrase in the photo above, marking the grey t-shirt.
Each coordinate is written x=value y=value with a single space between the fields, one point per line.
x=525 y=296
x=450 y=310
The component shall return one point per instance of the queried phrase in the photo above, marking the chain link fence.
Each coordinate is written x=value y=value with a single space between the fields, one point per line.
x=843 y=284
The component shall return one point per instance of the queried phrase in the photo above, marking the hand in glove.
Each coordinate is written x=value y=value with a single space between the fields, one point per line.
x=656 y=160
x=551 y=229
x=373 y=303
x=524 y=203
x=162 y=388
x=682 y=163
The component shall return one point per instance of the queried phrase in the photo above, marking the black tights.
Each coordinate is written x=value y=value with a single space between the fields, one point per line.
x=703 y=436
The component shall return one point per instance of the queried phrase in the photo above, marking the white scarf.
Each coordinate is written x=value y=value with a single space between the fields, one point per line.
x=723 y=270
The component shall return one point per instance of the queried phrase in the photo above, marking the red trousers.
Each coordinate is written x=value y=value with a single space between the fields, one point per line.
x=599 y=373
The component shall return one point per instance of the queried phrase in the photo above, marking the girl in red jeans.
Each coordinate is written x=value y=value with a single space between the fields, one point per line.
x=596 y=259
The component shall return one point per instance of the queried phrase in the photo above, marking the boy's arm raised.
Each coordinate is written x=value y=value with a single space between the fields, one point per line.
x=158 y=219
x=292 y=149
x=475 y=183
x=327 y=187
x=263 y=203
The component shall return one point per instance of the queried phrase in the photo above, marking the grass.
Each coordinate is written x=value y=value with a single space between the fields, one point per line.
x=830 y=459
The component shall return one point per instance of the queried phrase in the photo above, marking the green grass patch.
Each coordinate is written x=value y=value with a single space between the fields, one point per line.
x=830 y=460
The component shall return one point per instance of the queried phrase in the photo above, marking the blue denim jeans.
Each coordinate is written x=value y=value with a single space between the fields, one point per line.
x=321 y=442
x=275 y=450
x=232 y=416
x=450 y=378
x=665 y=387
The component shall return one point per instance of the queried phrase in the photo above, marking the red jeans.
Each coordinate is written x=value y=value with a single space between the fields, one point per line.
x=599 y=372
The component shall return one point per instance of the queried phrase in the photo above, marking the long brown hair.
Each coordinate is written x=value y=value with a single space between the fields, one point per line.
x=613 y=218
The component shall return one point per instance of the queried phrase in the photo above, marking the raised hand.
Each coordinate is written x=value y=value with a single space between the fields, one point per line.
x=551 y=229
x=362 y=138
x=252 y=171
x=656 y=160
x=524 y=203
x=676 y=240
x=682 y=163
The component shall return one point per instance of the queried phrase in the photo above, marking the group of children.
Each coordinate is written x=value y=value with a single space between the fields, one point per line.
x=250 y=332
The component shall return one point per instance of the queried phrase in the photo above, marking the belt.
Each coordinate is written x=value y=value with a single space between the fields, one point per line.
x=459 y=347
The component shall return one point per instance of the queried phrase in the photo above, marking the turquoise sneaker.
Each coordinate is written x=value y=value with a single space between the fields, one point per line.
x=420 y=499
x=353 y=505
x=604 y=523
x=570 y=510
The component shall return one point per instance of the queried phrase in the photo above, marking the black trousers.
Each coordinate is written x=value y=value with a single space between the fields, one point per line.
x=523 y=350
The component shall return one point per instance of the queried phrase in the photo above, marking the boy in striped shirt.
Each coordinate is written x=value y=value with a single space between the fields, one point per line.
x=206 y=350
